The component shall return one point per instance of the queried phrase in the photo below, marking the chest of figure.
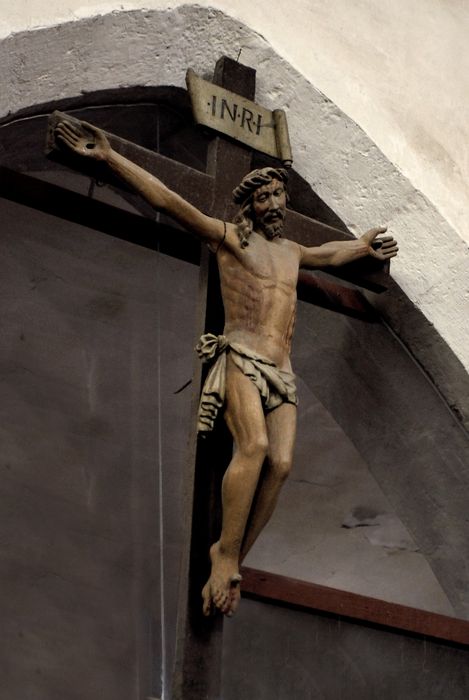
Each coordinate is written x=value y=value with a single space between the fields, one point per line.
x=263 y=263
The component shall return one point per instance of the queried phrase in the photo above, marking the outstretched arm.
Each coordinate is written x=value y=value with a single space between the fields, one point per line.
x=338 y=253
x=97 y=147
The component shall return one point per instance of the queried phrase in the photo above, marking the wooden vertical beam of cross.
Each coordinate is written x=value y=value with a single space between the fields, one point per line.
x=199 y=640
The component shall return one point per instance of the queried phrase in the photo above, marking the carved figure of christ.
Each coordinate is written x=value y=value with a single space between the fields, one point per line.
x=258 y=275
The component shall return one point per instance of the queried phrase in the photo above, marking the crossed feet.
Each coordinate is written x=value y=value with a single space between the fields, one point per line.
x=222 y=591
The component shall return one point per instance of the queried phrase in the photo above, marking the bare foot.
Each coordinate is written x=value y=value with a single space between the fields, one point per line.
x=222 y=591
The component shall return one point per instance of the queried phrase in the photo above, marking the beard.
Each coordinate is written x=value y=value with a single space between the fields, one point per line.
x=271 y=229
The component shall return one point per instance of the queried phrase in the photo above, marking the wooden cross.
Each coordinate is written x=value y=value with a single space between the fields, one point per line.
x=199 y=643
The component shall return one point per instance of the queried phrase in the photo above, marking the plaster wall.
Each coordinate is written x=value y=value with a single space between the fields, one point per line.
x=397 y=74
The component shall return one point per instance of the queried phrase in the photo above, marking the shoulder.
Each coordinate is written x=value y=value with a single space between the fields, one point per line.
x=291 y=247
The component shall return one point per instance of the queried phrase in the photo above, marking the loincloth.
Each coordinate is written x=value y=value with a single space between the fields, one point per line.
x=275 y=385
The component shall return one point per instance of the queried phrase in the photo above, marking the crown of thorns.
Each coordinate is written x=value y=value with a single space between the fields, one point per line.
x=255 y=179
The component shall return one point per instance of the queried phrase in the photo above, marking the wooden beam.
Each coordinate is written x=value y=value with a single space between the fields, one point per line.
x=211 y=195
x=312 y=596
x=197 y=673
x=193 y=185
x=99 y=216
x=368 y=273
x=329 y=295
x=307 y=231
x=197 y=668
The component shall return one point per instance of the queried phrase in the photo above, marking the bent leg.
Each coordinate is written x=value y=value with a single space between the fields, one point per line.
x=245 y=419
x=281 y=431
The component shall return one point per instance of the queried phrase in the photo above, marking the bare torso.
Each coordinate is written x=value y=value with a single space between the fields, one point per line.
x=258 y=286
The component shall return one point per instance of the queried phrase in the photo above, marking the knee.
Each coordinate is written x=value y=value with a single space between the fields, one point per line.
x=254 y=447
x=280 y=468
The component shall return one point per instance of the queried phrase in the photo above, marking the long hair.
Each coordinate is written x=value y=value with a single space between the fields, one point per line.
x=243 y=195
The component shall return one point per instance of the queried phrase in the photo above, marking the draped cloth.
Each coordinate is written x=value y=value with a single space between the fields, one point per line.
x=275 y=385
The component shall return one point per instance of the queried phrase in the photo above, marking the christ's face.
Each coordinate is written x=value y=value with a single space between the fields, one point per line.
x=269 y=205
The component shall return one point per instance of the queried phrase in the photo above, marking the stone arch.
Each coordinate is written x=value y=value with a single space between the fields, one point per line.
x=340 y=162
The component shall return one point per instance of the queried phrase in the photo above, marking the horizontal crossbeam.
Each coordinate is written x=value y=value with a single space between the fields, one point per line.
x=368 y=273
x=200 y=189
x=193 y=185
x=99 y=216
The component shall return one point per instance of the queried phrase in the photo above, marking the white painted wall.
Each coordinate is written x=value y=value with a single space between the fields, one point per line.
x=398 y=70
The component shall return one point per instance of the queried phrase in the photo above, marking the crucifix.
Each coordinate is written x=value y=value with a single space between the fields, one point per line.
x=259 y=249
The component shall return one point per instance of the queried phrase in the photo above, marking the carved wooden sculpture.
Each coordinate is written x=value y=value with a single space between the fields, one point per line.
x=250 y=379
